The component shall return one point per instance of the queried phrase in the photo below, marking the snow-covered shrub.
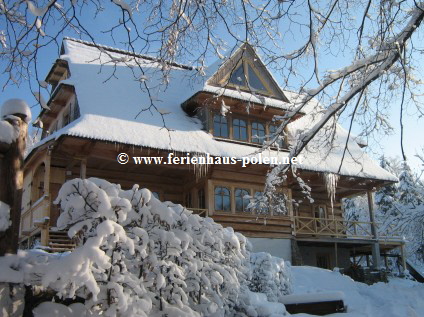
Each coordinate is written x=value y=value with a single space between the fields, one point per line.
x=270 y=275
x=140 y=256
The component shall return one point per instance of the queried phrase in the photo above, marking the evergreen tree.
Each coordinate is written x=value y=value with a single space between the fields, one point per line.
x=385 y=196
x=409 y=192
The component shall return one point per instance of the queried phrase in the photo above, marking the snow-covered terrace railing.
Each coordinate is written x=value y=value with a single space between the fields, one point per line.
x=339 y=228
x=38 y=210
x=200 y=211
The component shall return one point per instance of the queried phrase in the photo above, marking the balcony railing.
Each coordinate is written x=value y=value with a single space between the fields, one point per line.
x=340 y=228
x=35 y=215
x=200 y=211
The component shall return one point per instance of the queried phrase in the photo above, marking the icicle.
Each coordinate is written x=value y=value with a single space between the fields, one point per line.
x=331 y=180
x=200 y=169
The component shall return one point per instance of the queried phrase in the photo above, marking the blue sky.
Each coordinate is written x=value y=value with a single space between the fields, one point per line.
x=383 y=144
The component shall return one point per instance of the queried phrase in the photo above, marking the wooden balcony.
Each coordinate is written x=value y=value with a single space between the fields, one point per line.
x=251 y=224
x=340 y=228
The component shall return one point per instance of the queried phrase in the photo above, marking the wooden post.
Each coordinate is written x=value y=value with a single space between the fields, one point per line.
x=210 y=198
x=403 y=255
x=375 y=247
x=11 y=182
x=83 y=171
x=335 y=254
x=46 y=225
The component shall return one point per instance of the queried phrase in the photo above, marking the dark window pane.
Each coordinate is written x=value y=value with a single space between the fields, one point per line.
x=226 y=203
x=240 y=129
x=237 y=77
x=258 y=132
x=254 y=80
x=222 y=199
x=201 y=198
x=220 y=126
x=241 y=201
x=218 y=203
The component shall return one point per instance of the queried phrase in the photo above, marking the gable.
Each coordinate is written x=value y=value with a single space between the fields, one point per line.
x=245 y=71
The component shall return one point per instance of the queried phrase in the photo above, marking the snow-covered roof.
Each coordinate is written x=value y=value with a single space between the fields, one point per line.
x=110 y=97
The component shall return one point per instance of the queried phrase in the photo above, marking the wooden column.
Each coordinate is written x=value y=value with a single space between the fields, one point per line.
x=45 y=227
x=83 y=170
x=336 y=255
x=403 y=255
x=232 y=199
x=209 y=197
x=375 y=247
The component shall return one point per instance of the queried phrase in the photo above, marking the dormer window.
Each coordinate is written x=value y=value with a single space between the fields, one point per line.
x=220 y=126
x=246 y=77
x=258 y=132
x=240 y=129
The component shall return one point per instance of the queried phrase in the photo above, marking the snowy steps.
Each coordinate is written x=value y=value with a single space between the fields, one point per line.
x=60 y=242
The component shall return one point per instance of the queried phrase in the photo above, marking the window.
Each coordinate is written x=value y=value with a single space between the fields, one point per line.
x=66 y=118
x=258 y=132
x=188 y=201
x=254 y=80
x=237 y=77
x=222 y=199
x=280 y=141
x=75 y=110
x=240 y=129
x=241 y=200
x=201 y=198
x=37 y=190
x=220 y=126
x=245 y=76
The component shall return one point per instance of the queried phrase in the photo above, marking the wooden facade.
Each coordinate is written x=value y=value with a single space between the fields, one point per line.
x=309 y=227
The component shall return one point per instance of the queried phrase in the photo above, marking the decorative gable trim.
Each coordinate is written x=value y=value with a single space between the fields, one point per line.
x=253 y=66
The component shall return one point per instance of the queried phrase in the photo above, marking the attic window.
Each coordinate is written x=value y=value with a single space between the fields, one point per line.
x=237 y=77
x=245 y=76
x=254 y=80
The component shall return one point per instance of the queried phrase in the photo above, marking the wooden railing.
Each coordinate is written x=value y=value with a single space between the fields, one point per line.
x=200 y=211
x=340 y=228
x=35 y=215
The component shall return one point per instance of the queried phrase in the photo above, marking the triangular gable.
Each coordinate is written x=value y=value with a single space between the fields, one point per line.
x=244 y=70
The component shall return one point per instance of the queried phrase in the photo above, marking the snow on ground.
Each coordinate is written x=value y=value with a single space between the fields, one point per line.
x=398 y=298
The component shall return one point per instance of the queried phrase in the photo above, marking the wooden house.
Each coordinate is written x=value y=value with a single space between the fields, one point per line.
x=105 y=102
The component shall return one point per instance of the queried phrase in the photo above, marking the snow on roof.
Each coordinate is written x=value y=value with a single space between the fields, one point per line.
x=334 y=150
x=247 y=96
x=110 y=97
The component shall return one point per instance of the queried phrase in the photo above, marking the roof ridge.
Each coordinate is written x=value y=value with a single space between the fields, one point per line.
x=121 y=51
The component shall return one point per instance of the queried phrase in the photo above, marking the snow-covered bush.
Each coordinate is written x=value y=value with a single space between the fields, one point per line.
x=270 y=275
x=140 y=256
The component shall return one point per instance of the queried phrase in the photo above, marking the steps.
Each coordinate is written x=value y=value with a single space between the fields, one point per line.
x=60 y=242
x=417 y=274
